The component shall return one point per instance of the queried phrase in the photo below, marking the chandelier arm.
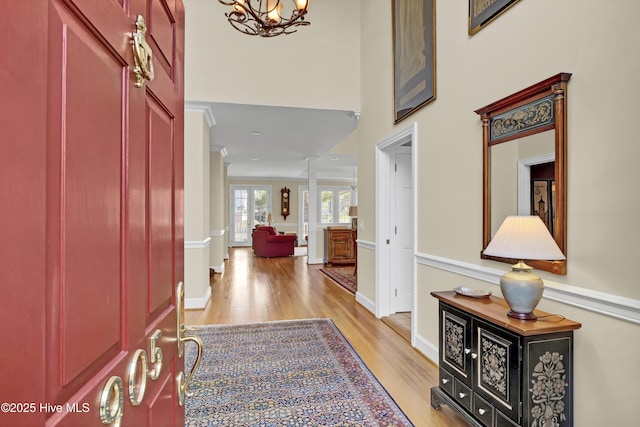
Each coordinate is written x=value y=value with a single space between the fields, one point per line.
x=255 y=14
x=251 y=21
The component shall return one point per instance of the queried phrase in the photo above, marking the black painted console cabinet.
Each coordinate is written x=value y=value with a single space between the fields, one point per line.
x=496 y=371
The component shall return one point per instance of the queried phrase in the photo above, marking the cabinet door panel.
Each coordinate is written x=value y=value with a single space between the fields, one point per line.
x=497 y=372
x=548 y=372
x=455 y=339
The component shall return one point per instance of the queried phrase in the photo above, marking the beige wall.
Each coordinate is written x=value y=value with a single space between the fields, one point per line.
x=253 y=70
x=595 y=41
x=196 y=208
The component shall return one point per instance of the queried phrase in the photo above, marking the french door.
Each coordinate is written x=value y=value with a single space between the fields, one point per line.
x=92 y=225
x=250 y=206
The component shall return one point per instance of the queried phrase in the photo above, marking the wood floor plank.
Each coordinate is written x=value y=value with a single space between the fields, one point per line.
x=254 y=289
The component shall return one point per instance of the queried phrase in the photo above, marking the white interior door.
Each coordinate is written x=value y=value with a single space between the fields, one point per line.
x=401 y=265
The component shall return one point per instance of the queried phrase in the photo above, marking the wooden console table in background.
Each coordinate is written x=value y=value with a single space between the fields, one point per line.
x=339 y=245
x=497 y=371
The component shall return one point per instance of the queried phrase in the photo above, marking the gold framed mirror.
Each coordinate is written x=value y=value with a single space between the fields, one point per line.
x=527 y=176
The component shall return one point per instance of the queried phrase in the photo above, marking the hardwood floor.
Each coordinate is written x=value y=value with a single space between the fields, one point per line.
x=254 y=289
x=401 y=323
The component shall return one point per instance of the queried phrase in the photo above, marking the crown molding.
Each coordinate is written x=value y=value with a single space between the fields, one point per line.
x=219 y=148
x=201 y=107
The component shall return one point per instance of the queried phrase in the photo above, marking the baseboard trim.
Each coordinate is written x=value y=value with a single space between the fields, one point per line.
x=218 y=268
x=425 y=347
x=615 y=306
x=198 y=303
x=366 y=303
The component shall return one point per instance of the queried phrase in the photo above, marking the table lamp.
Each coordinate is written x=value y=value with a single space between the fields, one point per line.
x=353 y=213
x=523 y=237
x=269 y=218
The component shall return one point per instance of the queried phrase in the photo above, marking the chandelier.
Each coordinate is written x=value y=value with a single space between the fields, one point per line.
x=264 y=17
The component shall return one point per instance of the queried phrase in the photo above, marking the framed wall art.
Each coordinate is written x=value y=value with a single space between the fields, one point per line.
x=414 y=26
x=481 y=12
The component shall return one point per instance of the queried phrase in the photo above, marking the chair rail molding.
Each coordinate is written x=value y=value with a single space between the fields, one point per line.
x=197 y=244
x=366 y=244
x=615 y=306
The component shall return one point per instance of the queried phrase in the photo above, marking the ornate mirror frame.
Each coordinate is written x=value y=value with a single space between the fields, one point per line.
x=538 y=108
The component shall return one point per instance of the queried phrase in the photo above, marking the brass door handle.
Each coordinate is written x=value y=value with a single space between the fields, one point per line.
x=142 y=54
x=185 y=386
x=183 y=383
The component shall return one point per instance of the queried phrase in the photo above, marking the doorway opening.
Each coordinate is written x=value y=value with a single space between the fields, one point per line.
x=396 y=230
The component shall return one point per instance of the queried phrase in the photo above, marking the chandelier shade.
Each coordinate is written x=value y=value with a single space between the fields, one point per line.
x=265 y=18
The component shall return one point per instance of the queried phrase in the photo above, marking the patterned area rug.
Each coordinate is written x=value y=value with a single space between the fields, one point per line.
x=288 y=373
x=343 y=276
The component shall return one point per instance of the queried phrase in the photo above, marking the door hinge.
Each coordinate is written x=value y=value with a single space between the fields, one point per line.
x=396 y=229
x=388 y=241
x=395 y=167
x=396 y=292
x=520 y=411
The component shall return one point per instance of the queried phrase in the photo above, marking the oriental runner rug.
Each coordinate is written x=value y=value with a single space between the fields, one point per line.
x=343 y=276
x=287 y=373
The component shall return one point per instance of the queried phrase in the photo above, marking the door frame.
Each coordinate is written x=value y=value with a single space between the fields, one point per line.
x=524 y=179
x=384 y=168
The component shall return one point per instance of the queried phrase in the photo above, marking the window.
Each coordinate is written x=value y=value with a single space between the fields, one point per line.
x=333 y=205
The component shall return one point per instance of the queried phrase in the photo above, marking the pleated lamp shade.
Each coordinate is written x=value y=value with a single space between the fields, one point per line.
x=524 y=237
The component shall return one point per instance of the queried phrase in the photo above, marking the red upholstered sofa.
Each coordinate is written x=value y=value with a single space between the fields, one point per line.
x=267 y=243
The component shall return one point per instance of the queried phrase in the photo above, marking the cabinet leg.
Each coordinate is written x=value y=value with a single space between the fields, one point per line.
x=435 y=402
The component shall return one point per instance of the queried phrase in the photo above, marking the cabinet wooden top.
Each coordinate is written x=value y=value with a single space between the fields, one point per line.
x=494 y=310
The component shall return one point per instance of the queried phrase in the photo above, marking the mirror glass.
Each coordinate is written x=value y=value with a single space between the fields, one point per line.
x=524 y=159
x=519 y=169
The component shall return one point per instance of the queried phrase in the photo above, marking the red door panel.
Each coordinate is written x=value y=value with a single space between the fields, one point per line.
x=161 y=157
x=84 y=209
x=94 y=207
x=161 y=29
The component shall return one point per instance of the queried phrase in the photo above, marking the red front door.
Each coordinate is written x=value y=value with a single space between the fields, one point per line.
x=92 y=219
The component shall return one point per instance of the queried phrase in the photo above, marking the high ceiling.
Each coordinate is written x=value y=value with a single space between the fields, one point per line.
x=274 y=142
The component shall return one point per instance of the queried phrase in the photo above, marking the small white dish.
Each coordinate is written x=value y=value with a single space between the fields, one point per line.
x=470 y=292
